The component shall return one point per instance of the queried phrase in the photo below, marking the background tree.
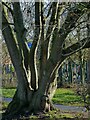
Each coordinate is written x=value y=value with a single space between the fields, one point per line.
x=36 y=86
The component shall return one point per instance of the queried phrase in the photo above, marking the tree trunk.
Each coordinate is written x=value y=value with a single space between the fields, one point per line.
x=69 y=71
x=88 y=69
x=60 y=80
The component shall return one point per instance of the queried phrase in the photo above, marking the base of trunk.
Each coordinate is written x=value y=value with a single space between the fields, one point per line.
x=35 y=104
x=15 y=108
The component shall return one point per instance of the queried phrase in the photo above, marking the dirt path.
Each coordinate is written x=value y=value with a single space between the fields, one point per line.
x=75 y=111
x=6 y=99
x=71 y=108
x=62 y=107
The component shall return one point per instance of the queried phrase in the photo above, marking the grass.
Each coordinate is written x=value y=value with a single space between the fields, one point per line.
x=58 y=114
x=52 y=115
x=64 y=96
x=4 y=105
x=7 y=92
x=67 y=96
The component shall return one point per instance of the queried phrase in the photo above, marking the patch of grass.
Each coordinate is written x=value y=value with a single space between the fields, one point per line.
x=57 y=114
x=52 y=115
x=4 y=105
x=7 y=92
x=67 y=96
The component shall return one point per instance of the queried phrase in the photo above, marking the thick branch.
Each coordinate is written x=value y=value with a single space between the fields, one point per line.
x=66 y=28
x=73 y=15
x=10 y=40
x=34 y=44
x=20 y=32
x=42 y=60
x=8 y=23
x=76 y=47
x=8 y=8
x=51 y=26
x=15 y=56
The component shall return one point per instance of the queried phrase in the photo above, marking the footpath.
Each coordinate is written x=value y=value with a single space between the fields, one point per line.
x=63 y=108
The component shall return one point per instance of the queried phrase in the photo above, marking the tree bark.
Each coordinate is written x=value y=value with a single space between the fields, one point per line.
x=33 y=50
x=20 y=97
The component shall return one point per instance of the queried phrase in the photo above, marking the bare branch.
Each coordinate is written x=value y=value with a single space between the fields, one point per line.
x=76 y=47
x=7 y=23
x=8 y=8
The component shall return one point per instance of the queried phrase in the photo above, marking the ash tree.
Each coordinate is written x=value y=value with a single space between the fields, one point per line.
x=37 y=76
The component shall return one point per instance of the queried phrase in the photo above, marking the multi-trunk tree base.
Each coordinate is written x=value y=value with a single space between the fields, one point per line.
x=36 y=104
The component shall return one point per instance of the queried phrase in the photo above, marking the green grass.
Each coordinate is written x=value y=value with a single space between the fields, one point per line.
x=67 y=96
x=64 y=96
x=4 y=105
x=52 y=115
x=57 y=114
x=7 y=92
